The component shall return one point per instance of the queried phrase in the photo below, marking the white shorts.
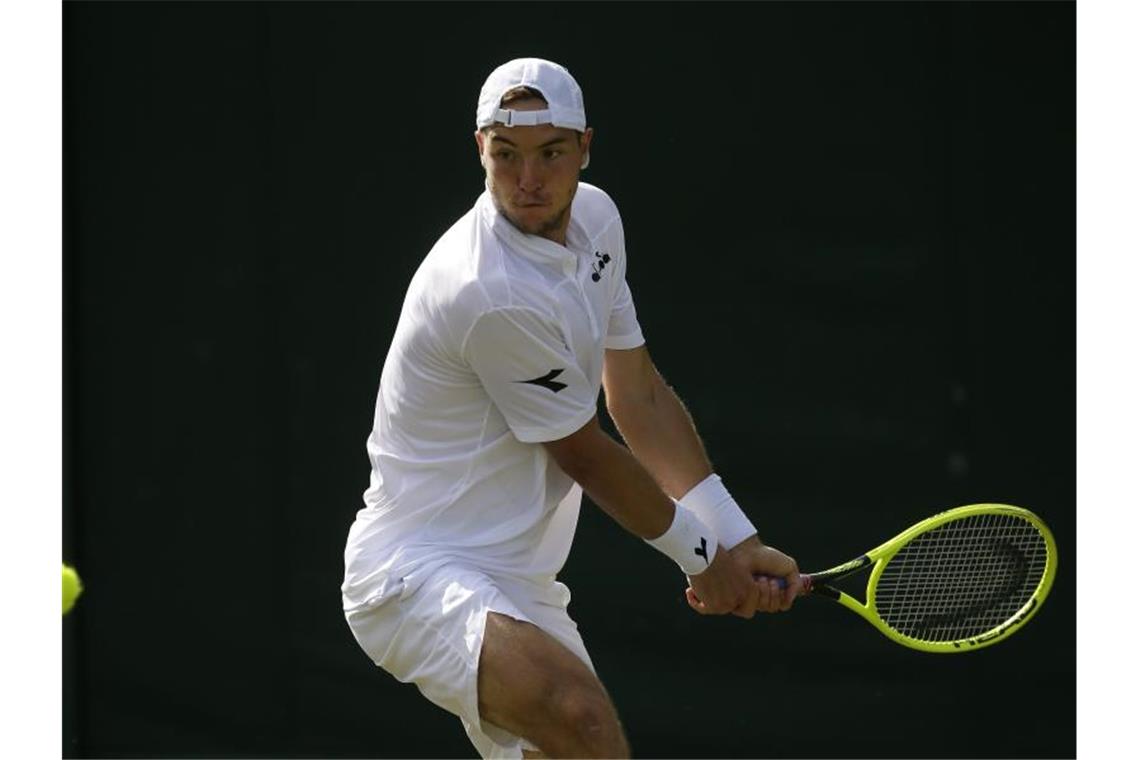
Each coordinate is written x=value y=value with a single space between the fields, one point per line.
x=432 y=634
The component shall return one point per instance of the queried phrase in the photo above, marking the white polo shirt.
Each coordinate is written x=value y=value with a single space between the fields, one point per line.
x=499 y=347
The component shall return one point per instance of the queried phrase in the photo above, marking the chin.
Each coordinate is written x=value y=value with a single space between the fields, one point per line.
x=535 y=225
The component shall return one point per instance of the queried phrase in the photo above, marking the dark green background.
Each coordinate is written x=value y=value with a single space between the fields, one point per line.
x=851 y=231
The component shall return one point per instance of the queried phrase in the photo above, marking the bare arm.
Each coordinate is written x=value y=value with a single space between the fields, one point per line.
x=662 y=436
x=653 y=421
x=614 y=480
x=622 y=487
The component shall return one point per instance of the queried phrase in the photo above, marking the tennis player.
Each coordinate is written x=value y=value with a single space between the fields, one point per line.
x=486 y=433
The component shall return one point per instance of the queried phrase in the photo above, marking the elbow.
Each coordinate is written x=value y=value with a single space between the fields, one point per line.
x=577 y=468
x=580 y=465
x=579 y=454
x=629 y=408
x=638 y=397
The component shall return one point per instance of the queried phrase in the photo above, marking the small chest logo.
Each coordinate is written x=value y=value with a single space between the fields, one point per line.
x=599 y=264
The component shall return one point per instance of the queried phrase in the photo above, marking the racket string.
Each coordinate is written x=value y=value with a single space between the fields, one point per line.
x=962 y=578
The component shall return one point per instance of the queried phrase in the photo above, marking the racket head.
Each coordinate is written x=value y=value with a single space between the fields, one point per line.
x=961 y=580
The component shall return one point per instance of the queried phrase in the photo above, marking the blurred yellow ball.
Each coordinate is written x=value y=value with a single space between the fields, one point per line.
x=72 y=588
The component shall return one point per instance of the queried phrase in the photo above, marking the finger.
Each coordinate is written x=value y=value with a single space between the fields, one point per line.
x=763 y=594
x=775 y=596
x=779 y=595
x=694 y=602
x=748 y=606
x=795 y=585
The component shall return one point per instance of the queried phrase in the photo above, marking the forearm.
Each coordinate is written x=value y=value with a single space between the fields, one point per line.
x=663 y=438
x=660 y=432
x=618 y=483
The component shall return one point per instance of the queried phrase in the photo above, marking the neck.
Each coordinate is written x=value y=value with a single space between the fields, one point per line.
x=558 y=235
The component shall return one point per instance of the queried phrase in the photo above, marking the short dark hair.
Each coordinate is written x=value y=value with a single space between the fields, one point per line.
x=521 y=92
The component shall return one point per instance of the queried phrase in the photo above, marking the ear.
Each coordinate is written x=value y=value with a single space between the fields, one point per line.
x=584 y=143
x=479 y=147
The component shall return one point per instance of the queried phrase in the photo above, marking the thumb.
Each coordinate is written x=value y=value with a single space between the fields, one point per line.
x=794 y=587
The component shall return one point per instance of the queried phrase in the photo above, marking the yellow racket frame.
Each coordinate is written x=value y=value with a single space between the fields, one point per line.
x=882 y=554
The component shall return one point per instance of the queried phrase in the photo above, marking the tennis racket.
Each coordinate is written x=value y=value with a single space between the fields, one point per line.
x=960 y=580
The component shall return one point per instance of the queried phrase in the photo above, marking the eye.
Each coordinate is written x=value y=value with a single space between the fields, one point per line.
x=503 y=154
x=553 y=153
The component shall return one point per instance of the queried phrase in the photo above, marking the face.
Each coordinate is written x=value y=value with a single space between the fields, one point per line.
x=532 y=171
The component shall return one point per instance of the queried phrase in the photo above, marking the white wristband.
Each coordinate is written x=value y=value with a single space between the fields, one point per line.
x=688 y=542
x=712 y=503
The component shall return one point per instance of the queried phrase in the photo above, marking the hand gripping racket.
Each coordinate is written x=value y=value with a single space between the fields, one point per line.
x=960 y=580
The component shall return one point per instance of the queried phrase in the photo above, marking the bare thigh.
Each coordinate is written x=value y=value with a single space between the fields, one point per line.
x=531 y=685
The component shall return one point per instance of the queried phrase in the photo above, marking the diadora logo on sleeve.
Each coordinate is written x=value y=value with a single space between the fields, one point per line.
x=547 y=381
x=599 y=264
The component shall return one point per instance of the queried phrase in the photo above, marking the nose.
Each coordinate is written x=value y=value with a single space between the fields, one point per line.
x=530 y=176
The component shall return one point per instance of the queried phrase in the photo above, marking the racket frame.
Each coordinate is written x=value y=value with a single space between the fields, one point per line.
x=819 y=584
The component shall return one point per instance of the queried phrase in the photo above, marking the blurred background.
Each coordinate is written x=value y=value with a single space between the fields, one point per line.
x=851 y=231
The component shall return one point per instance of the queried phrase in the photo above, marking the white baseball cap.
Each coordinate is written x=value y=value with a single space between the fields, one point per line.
x=563 y=96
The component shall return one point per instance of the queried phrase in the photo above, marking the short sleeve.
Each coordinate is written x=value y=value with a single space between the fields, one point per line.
x=624 y=330
x=529 y=372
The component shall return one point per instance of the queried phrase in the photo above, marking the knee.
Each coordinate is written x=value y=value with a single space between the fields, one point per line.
x=587 y=715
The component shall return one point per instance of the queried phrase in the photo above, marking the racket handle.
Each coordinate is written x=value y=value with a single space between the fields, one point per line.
x=805 y=582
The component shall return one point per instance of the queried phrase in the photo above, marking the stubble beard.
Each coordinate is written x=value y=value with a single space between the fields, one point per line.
x=543 y=228
x=553 y=223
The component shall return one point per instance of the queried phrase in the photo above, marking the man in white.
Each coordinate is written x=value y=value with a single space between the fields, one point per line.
x=486 y=433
